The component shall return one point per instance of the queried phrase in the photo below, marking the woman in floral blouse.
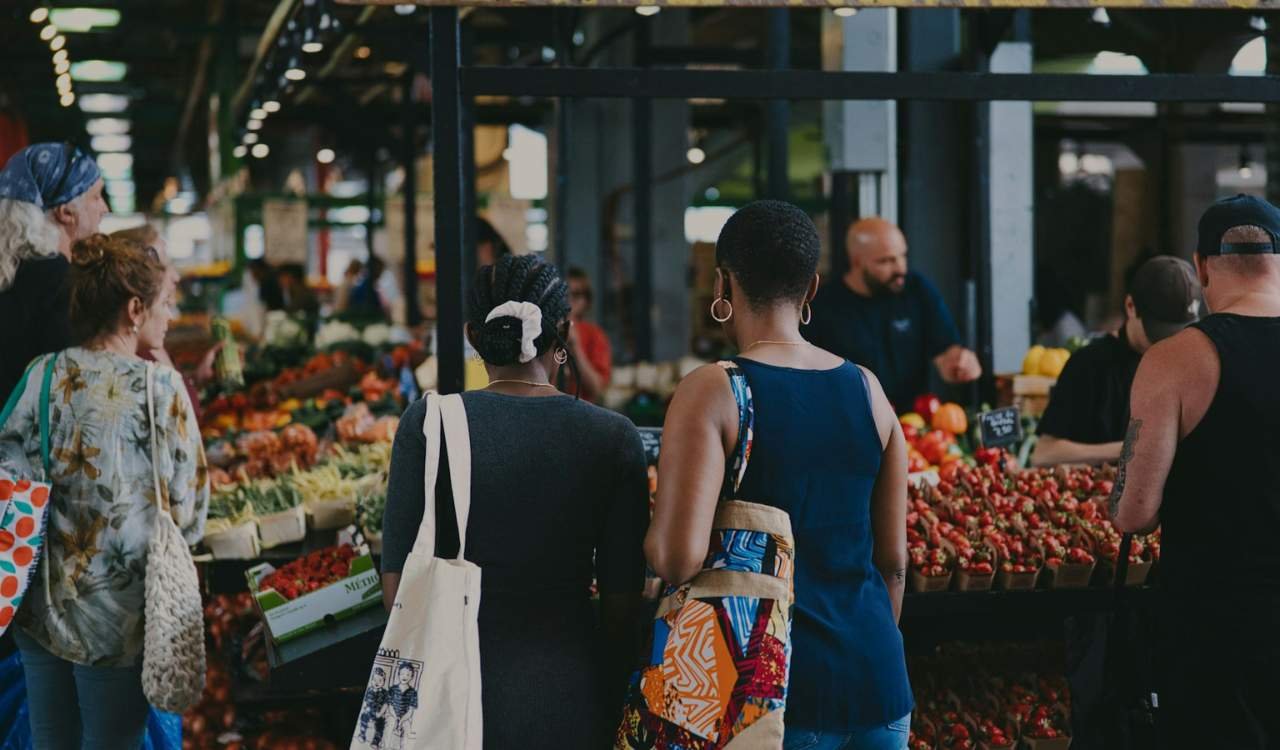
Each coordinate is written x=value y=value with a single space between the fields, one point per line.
x=81 y=627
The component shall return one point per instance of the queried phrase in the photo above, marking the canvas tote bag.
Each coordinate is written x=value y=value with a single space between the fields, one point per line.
x=173 y=663
x=424 y=689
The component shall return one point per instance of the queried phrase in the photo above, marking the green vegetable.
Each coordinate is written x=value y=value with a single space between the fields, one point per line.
x=227 y=365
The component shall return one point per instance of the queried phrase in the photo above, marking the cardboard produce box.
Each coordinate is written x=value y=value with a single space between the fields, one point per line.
x=1008 y=581
x=240 y=542
x=287 y=620
x=1135 y=575
x=921 y=583
x=331 y=514
x=285 y=527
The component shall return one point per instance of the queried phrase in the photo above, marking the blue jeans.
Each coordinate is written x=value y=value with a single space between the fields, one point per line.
x=891 y=736
x=73 y=706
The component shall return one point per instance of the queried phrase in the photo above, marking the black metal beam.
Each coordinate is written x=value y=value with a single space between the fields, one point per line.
x=659 y=83
x=669 y=55
x=446 y=134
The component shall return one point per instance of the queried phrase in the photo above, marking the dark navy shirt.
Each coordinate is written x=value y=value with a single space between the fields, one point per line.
x=896 y=336
x=816 y=453
x=1090 y=403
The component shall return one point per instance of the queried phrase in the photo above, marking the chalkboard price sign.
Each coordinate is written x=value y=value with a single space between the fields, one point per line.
x=1001 y=428
x=651 y=437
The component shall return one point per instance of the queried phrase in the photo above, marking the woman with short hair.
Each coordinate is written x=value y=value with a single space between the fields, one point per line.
x=826 y=448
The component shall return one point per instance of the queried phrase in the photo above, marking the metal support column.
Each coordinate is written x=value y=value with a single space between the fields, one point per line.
x=642 y=168
x=841 y=217
x=980 y=257
x=467 y=151
x=779 y=110
x=409 y=161
x=446 y=132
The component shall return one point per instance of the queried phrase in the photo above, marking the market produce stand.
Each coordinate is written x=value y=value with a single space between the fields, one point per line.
x=336 y=657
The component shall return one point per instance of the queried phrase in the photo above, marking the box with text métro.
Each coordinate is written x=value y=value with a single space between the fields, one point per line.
x=287 y=619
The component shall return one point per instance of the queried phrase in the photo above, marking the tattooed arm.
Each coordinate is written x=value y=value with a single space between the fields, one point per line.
x=1155 y=408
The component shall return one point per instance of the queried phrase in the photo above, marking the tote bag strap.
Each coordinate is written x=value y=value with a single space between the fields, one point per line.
x=736 y=469
x=45 y=386
x=425 y=543
x=445 y=423
x=16 y=395
x=458 y=438
x=155 y=454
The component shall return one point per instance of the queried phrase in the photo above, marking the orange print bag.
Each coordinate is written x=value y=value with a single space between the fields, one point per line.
x=24 y=506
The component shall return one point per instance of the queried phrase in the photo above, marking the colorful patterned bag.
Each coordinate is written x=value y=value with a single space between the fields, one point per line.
x=721 y=650
x=24 y=507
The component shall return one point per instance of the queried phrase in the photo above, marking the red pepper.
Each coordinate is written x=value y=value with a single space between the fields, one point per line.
x=926 y=406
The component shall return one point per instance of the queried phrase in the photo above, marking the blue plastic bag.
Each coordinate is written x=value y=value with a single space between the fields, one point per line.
x=164 y=730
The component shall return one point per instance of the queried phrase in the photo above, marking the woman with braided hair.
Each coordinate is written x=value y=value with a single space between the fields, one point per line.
x=559 y=497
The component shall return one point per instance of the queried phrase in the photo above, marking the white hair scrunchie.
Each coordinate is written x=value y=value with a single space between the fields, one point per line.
x=530 y=317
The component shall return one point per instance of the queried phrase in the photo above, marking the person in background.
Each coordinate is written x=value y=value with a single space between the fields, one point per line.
x=889 y=319
x=1089 y=407
x=298 y=297
x=268 y=281
x=1199 y=460
x=587 y=343
x=560 y=496
x=826 y=448
x=80 y=629
x=366 y=297
x=350 y=277
x=490 y=247
x=50 y=197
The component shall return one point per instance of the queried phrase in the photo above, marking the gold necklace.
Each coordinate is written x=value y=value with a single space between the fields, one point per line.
x=778 y=343
x=529 y=383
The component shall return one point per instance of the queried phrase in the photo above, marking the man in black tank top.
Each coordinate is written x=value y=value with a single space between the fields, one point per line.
x=1201 y=458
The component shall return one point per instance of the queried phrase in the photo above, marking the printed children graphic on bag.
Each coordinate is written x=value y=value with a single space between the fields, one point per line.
x=389 y=703
x=374 y=710
x=403 y=701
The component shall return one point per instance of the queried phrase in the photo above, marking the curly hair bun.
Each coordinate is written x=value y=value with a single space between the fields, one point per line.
x=92 y=250
x=499 y=341
x=106 y=273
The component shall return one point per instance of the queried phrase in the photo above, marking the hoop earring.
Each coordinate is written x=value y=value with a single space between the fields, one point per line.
x=561 y=356
x=717 y=318
x=806 y=314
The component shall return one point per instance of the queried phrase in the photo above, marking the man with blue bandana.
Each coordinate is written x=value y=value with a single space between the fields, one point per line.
x=50 y=197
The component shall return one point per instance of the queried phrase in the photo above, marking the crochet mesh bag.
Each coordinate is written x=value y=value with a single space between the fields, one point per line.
x=173 y=661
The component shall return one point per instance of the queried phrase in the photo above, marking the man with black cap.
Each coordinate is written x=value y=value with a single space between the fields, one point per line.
x=1089 y=407
x=1201 y=458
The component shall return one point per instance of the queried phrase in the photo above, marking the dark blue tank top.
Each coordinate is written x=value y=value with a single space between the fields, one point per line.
x=816 y=454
